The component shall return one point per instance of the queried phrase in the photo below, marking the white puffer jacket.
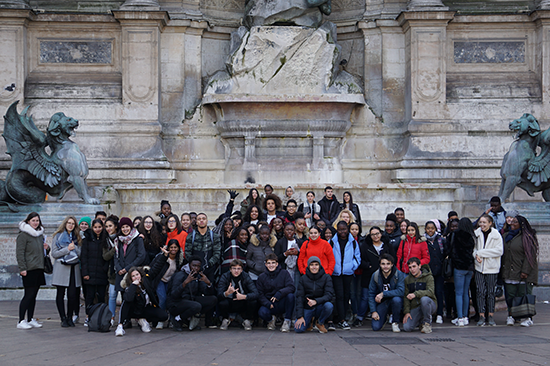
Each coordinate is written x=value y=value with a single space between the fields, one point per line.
x=489 y=252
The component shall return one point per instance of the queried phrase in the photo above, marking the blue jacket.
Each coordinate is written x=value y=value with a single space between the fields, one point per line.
x=352 y=256
x=397 y=286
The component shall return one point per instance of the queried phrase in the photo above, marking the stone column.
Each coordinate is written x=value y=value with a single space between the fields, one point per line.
x=541 y=18
x=426 y=5
x=14 y=4
x=192 y=70
x=544 y=5
x=140 y=5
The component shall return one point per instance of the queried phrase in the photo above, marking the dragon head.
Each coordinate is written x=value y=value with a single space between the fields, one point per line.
x=62 y=127
x=525 y=124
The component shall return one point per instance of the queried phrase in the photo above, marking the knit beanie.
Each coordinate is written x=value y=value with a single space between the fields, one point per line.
x=125 y=221
x=512 y=213
x=313 y=259
x=86 y=219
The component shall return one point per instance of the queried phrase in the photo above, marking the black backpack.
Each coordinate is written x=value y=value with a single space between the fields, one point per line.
x=99 y=318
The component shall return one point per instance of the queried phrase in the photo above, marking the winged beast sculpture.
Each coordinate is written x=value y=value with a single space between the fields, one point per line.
x=521 y=166
x=35 y=172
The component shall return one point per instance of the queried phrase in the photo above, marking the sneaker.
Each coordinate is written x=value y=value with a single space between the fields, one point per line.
x=344 y=325
x=33 y=323
x=357 y=323
x=285 y=328
x=112 y=322
x=455 y=321
x=194 y=322
x=144 y=324
x=466 y=320
x=395 y=327
x=426 y=328
x=391 y=318
x=271 y=324
x=247 y=325
x=510 y=321
x=176 y=325
x=491 y=321
x=439 y=319
x=481 y=322
x=24 y=325
x=331 y=326
x=310 y=328
x=75 y=319
x=460 y=322
x=119 y=332
x=86 y=322
x=225 y=324
x=160 y=325
x=320 y=327
x=527 y=322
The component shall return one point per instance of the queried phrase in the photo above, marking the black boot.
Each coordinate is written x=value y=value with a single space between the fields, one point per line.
x=70 y=321
x=64 y=322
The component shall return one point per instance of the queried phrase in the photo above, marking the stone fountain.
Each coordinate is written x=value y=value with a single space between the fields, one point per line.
x=284 y=102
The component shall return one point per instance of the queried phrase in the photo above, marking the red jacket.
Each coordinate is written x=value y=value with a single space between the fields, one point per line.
x=316 y=248
x=409 y=248
x=181 y=237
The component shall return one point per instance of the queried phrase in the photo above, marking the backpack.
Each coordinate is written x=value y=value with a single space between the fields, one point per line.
x=99 y=318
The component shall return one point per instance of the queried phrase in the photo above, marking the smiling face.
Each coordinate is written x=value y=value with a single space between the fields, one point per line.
x=251 y=230
x=271 y=265
x=125 y=229
x=386 y=266
x=375 y=235
x=34 y=222
x=254 y=194
x=411 y=231
x=289 y=192
x=268 y=190
x=400 y=215
x=300 y=225
x=313 y=233
x=390 y=227
x=291 y=208
x=84 y=226
x=173 y=249
x=254 y=213
x=166 y=210
x=345 y=216
x=148 y=224
x=277 y=224
x=243 y=236
x=514 y=225
x=110 y=227
x=343 y=231
x=185 y=221
x=314 y=267
x=346 y=197
x=97 y=228
x=135 y=275
x=403 y=226
x=70 y=225
x=484 y=224
x=430 y=229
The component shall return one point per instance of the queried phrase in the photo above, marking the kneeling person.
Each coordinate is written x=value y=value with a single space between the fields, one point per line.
x=420 y=300
x=386 y=289
x=237 y=294
x=313 y=298
x=191 y=294
x=276 y=293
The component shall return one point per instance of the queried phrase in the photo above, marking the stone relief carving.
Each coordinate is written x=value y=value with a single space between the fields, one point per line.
x=223 y=4
x=75 y=52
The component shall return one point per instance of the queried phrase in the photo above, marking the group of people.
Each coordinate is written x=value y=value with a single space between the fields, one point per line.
x=301 y=265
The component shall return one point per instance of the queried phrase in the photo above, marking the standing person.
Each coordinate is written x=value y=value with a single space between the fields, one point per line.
x=320 y=248
x=487 y=253
x=461 y=252
x=175 y=231
x=311 y=209
x=152 y=240
x=412 y=245
x=205 y=244
x=419 y=301
x=356 y=289
x=130 y=251
x=235 y=249
x=437 y=250
x=253 y=215
x=347 y=204
x=399 y=213
x=344 y=215
x=347 y=258
x=496 y=212
x=66 y=269
x=291 y=214
x=186 y=222
x=272 y=207
x=450 y=295
x=165 y=209
x=330 y=207
x=109 y=253
x=287 y=250
x=302 y=231
x=253 y=198
x=520 y=263
x=31 y=248
x=94 y=267
x=313 y=298
x=392 y=233
x=276 y=294
x=260 y=246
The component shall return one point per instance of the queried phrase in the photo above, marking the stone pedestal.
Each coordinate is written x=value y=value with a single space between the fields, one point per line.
x=426 y=5
x=140 y=5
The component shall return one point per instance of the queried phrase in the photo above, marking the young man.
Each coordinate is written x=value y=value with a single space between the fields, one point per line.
x=386 y=289
x=313 y=298
x=399 y=213
x=192 y=294
x=419 y=301
x=237 y=294
x=205 y=244
x=497 y=212
x=102 y=215
x=330 y=207
x=276 y=294
x=291 y=215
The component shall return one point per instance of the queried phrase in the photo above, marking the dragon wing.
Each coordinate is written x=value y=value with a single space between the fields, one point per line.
x=26 y=146
x=538 y=171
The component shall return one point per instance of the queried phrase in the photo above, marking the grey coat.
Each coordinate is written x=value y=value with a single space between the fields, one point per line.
x=62 y=272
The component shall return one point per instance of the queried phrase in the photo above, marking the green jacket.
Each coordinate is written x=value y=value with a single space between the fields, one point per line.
x=29 y=248
x=514 y=262
x=421 y=286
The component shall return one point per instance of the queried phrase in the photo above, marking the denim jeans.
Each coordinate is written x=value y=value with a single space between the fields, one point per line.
x=112 y=299
x=161 y=293
x=462 y=279
x=421 y=314
x=283 y=306
x=320 y=312
x=393 y=303
x=364 y=305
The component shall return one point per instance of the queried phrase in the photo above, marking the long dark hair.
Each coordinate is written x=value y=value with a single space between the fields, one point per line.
x=151 y=239
x=31 y=216
x=246 y=217
x=253 y=201
x=417 y=233
x=128 y=278
x=350 y=200
x=178 y=223
x=529 y=240
x=103 y=234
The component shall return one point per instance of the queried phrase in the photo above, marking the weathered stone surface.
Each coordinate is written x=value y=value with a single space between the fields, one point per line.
x=489 y=52
x=76 y=52
x=282 y=12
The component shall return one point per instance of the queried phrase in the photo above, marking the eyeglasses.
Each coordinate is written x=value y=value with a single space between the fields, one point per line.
x=376 y=234
x=291 y=206
x=171 y=221
x=151 y=222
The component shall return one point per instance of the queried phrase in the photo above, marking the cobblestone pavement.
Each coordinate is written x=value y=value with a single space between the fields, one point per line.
x=447 y=345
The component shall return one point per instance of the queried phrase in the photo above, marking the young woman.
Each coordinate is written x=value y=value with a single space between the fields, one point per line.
x=310 y=209
x=520 y=263
x=253 y=215
x=130 y=251
x=287 y=250
x=301 y=231
x=139 y=301
x=487 y=253
x=392 y=233
x=436 y=247
x=355 y=291
x=137 y=221
x=412 y=245
x=225 y=231
x=251 y=228
x=462 y=243
x=346 y=216
x=328 y=233
x=315 y=246
x=277 y=228
x=260 y=246
x=404 y=225
x=186 y=222
x=109 y=251
x=165 y=209
x=84 y=224
x=272 y=207
x=152 y=240
x=30 y=250
x=175 y=231
x=66 y=269
x=347 y=204
x=253 y=198
x=94 y=267
x=289 y=195
x=235 y=249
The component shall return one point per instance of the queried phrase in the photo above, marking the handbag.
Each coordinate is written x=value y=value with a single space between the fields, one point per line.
x=447 y=268
x=48 y=266
x=523 y=306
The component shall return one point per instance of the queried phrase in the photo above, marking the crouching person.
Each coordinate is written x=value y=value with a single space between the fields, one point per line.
x=276 y=294
x=313 y=298
x=139 y=301
x=191 y=294
x=237 y=294
x=420 y=300
x=386 y=289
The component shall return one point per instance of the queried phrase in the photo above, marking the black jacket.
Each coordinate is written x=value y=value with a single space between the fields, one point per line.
x=370 y=259
x=436 y=255
x=461 y=250
x=91 y=259
x=276 y=284
x=245 y=284
x=280 y=249
x=191 y=291
x=329 y=209
x=393 y=239
x=316 y=287
x=160 y=265
x=134 y=295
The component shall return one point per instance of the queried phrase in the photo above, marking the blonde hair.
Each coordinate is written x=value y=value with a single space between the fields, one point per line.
x=339 y=218
x=62 y=227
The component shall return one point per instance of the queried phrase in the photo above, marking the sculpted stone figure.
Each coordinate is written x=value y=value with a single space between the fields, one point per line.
x=307 y=13
x=521 y=166
x=35 y=173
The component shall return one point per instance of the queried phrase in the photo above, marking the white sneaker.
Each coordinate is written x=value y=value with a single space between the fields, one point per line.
x=247 y=325
x=23 y=325
x=527 y=322
x=439 y=319
x=119 y=332
x=194 y=322
x=455 y=321
x=466 y=320
x=160 y=325
x=225 y=324
x=510 y=321
x=285 y=328
x=395 y=327
x=35 y=324
x=144 y=324
x=460 y=322
x=271 y=324
x=75 y=319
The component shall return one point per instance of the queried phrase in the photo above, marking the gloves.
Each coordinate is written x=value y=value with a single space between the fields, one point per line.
x=232 y=194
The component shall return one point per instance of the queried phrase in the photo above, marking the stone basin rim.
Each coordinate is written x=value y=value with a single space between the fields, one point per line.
x=284 y=98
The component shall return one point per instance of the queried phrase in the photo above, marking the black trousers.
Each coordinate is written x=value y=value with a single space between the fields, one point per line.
x=151 y=313
x=73 y=294
x=247 y=308
x=91 y=291
x=342 y=288
x=188 y=308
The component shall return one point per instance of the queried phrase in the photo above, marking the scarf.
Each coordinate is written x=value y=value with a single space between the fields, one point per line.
x=511 y=234
x=62 y=241
x=126 y=240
